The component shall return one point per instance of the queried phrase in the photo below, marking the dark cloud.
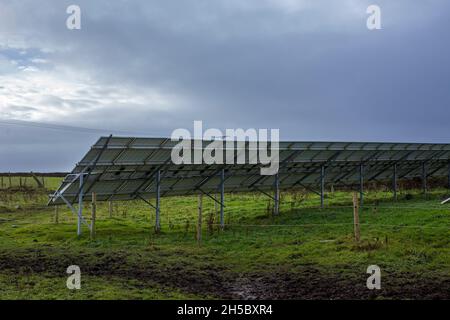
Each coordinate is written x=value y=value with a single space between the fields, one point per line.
x=309 y=68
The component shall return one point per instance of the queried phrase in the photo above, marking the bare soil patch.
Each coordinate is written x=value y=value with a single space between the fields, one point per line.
x=209 y=279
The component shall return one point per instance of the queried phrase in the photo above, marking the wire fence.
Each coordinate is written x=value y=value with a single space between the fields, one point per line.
x=273 y=231
x=180 y=221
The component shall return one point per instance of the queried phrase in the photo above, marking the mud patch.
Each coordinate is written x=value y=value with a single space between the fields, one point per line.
x=312 y=283
x=205 y=277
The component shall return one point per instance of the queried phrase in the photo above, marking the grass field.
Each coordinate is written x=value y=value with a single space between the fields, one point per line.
x=304 y=253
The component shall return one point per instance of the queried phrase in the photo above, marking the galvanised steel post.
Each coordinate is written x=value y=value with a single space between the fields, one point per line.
x=322 y=186
x=448 y=186
x=361 y=185
x=222 y=198
x=277 y=194
x=424 y=178
x=158 y=194
x=80 y=206
x=394 y=182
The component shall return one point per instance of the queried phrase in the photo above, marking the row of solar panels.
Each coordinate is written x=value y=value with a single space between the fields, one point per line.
x=151 y=143
x=125 y=168
x=140 y=151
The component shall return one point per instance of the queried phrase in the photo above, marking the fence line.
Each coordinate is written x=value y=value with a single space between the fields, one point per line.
x=240 y=225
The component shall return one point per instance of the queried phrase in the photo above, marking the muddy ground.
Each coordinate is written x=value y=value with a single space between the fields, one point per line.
x=206 y=278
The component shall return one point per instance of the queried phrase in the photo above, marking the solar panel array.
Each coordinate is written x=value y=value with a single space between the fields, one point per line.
x=124 y=168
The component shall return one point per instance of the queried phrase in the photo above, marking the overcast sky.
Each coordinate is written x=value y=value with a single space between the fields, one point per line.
x=308 y=67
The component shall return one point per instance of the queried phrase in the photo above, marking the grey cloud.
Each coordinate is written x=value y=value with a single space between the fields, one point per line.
x=310 y=68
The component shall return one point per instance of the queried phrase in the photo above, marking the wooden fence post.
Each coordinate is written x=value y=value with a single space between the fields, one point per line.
x=10 y=182
x=110 y=208
x=2 y=182
x=94 y=212
x=56 y=214
x=356 y=217
x=199 y=224
x=215 y=207
x=38 y=182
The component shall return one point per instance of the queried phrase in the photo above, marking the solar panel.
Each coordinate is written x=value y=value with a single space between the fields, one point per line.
x=124 y=168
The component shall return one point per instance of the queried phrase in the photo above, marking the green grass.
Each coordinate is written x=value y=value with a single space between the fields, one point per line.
x=50 y=183
x=127 y=260
x=50 y=287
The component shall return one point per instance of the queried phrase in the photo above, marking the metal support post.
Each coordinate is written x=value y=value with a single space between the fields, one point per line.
x=322 y=186
x=222 y=198
x=361 y=185
x=80 y=206
x=277 y=194
x=158 y=194
x=448 y=182
x=394 y=182
x=424 y=178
